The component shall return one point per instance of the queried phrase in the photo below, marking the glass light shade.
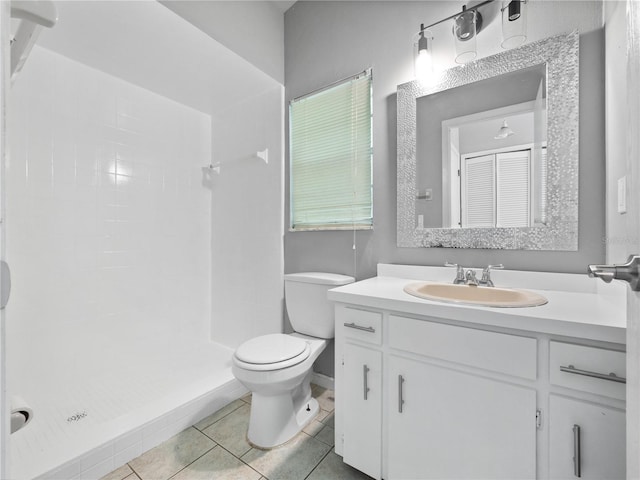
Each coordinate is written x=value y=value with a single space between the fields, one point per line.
x=504 y=131
x=464 y=34
x=423 y=61
x=514 y=23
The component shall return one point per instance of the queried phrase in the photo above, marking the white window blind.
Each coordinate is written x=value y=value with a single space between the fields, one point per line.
x=330 y=157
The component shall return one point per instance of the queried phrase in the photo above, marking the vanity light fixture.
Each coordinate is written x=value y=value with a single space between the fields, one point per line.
x=504 y=131
x=466 y=26
x=423 y=60
x=514 y=23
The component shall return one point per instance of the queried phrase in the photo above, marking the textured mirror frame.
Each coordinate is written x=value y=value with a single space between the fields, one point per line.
x=560 y=55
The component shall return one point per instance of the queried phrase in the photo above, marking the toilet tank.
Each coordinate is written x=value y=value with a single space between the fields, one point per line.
x=309 y=310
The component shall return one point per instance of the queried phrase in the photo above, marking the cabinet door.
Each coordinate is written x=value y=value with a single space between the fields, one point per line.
x=456 y=425
x=593 y=450
x=363 y=409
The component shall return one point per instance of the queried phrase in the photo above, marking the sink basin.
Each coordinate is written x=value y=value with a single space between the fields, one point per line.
x=472 y=295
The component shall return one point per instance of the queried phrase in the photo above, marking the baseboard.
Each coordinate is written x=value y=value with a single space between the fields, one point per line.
x=323 y=381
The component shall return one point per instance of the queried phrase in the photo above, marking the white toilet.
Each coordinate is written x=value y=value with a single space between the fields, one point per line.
x=277 y=368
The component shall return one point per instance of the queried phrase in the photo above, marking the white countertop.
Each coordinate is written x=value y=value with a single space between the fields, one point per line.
x=578 y=306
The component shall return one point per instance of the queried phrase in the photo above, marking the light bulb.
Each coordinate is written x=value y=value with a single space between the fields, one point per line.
x=424 y=66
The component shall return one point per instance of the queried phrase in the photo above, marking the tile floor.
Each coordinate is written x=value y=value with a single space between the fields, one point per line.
x=217 y=448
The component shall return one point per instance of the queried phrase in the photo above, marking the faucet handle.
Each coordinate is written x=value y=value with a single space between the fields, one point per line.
x=486 y=274
x=459 y=272
x=488 y=268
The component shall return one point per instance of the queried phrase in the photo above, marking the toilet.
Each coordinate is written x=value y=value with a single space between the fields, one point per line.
x=277 y=368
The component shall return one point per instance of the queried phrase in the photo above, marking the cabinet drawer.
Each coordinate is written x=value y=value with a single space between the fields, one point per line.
x=498 y=352
x=363 y=325
x=588 y=369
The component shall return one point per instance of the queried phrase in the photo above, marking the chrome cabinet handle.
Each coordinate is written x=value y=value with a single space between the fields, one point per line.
x=358 y=327
x=365 y=375
x=612 y=377
x=576 y=451
x=400 y=399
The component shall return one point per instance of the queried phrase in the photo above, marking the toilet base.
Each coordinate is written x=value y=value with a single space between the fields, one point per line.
x=276 y=419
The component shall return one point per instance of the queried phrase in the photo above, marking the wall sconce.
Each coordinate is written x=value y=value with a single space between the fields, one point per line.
x=466 y=26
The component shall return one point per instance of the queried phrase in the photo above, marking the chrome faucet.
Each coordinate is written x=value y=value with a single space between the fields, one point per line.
x=486 y=275
x=470 y=278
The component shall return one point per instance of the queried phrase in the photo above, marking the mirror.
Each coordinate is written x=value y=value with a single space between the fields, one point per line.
x=488 y=157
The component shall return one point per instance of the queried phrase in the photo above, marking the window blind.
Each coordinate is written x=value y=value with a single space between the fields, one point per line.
x=331 y=156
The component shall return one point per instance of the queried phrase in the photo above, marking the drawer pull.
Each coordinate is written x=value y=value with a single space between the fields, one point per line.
x=400 y=399
x=612 y=377
x=576 y=451
x=358 y=327
x=365 y=377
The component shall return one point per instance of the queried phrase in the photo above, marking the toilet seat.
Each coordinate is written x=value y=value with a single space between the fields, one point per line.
x=271 y=352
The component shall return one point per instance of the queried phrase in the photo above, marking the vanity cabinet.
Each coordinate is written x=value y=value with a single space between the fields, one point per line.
x=444 y=423
x=361 y=361
x=363 y=403
x=586 y=440
x=420 y=397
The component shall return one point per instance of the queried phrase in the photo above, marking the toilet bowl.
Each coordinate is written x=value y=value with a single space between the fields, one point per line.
x=281 y=403
x=277 y=368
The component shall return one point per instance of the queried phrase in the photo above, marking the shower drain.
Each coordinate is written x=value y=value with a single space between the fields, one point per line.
x=77 y=417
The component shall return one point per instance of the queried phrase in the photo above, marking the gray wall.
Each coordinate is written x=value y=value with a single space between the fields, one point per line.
x=252 y=29
x=327 y=41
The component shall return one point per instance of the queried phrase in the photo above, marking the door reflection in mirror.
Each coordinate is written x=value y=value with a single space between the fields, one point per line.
x=481 y=151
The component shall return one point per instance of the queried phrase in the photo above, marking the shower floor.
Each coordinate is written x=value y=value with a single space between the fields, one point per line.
x=88 y=412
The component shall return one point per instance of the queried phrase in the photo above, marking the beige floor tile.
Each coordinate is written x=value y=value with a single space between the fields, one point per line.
x=329 y=420
x=217 y=464
x=324 y=396
x=313 y=428
x=291 y=461
x=327 y=435
x=119 y=473
x=133 y=476
x=247 y=398
x=231 y=431
x=223 y=412
x=333 y=468
x=322 y=414
x=168 y=458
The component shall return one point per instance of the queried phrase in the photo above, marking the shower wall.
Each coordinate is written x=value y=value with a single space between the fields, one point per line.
x=108 y=222
x=247 y=218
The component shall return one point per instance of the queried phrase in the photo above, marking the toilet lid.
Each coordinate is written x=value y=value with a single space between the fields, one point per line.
x=272 y=348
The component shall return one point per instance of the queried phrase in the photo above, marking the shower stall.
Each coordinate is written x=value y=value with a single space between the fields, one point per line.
x=136 y=268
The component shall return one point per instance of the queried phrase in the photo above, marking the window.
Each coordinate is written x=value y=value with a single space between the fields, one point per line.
x=331 y=156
